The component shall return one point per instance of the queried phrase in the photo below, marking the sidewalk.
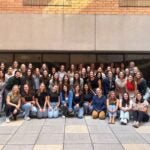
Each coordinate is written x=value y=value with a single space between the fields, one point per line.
x=72 y=134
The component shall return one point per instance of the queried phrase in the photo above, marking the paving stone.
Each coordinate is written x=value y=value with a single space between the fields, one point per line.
x=57 y=121
x=108 y=147
x=78 y=147
x=23 y=139
x=48 y=139
x=29 y=130
x=143 y=129
x=136 y=146
x=96 y=122
x=146 y=136
x=99 y=129
x=127 y=138
x=72 y=138
x=52 y=129
x=18 y=147
x=13 y=123
x=122 y=129
x=35 y=122
x=7 y=129
x=1 y=146
x=76 y=129
x=48 y=147
x=4 y=139
x=75 y=121
x=104 y=138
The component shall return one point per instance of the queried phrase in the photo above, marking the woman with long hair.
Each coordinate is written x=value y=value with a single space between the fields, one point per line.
x=140 y=111
x=131 y=87
x=13 y=103
x=28 y=103
x=53 y=103
x=125 y=107
x=66 y=97
x=78 y=101
x=41 y=98
x=112 y=106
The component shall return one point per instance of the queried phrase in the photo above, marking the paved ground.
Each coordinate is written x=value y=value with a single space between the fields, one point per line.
x=72 y=134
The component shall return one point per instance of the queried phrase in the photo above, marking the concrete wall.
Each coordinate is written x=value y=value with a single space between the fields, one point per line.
x=74 y=32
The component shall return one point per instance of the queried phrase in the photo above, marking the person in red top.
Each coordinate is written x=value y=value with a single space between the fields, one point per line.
x=131 y=87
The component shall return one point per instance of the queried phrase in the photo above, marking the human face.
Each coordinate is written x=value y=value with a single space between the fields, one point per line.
x=42 y=87
x=139 y=97
x=99 y=91
x=15 y=89
x=125 y=96
x=121 y=75
x=138 y=75
x=65 y=88
x=76 y=76
x=130 y=78
x=29 y=72
x=17 y=75
x=91 y=74
x=77 y=88
x=26 y=88
x=112 y=95
x=86 y=87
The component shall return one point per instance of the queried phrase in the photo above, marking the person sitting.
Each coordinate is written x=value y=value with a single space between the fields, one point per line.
x=140 y=111
x=125 y=107
x=13 y=102
x=112 y=107
x=99 y=105
x=66 y=97
x=28 y=103
x=41 y=98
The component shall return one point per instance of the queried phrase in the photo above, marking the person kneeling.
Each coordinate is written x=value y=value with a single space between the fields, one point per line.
x=99 y=105
x=13 y=103
x=41 y=101
x=53 y=103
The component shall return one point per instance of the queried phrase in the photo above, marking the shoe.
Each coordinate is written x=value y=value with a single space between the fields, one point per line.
x=7 y=120
x=136 y=125
x=63 y=116
x=122 y=121
x=27 y=118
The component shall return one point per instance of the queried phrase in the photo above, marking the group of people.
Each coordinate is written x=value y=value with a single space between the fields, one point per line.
x=114 y=91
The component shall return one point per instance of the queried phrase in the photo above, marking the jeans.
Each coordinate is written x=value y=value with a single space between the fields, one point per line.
x=124 y=115
x=87 y=108
x=29 y=109
x=53 y=112
x=10 y=109
x=140 y=116
x=78 y=111
x=112 y=114
x=42 y=114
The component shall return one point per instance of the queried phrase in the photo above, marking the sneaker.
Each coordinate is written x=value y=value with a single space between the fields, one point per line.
x=121 y=121
x=7 y=120
x=63 y=116
x=27 y=118
x=125 y=121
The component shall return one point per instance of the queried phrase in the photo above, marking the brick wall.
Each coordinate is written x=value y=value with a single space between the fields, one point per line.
x=72 y=7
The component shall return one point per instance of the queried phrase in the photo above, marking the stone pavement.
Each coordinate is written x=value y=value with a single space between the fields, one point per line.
x=72 y=134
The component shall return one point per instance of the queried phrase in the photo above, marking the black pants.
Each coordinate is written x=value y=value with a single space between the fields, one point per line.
x=9 y=111
x=140 y=116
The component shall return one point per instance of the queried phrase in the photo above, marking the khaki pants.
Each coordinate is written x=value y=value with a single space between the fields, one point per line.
x=101 y=115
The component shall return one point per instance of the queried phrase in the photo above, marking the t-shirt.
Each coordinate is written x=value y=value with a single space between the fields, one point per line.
x=41 y=97
x=14 y=99
x=27 y=97
x=54 y=97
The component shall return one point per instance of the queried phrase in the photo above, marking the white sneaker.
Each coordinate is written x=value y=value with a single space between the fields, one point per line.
x=27 y=118
x=125 y=121
x=7 y=120
x=63 y=116
x=122 y=121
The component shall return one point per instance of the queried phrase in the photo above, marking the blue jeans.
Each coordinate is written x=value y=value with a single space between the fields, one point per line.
x=78 y=111
x=87 y=109
x=42 y=114
x=53 y=112
x=29 y=109
x=112 y=114
x=124 y=115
